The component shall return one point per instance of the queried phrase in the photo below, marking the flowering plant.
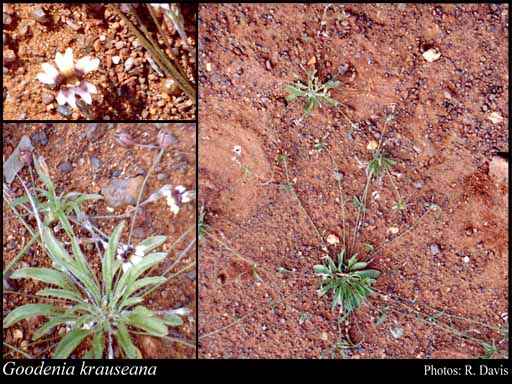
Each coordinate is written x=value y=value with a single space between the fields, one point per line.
x=68 y=77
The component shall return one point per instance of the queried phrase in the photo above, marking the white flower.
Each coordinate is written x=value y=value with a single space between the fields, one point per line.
x=160 y=5
x=171 y=202
x=68 y=76
x=133 y=259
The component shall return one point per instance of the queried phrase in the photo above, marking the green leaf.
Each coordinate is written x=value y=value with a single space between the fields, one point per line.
x=141 y=283
x=151 y=243
x=371 y=273
x=369 y=247
x=131 y=301
x=329 y=101
x=29 y=310
x=46 y=275
x=172 y=320
x=108 y=258
x=128 y=278
x=341 y=258
x=351 y=262
x=49 y=325
x=336 y=298
x=282 y=270
x=62 y=293
x=79 y=256
x=310 y=104
x=151 y=324
x=321 y=269
x=125 y=341
x=69 y=343
x=98 y=344
x=42 y=172
x=82 y=197
x=359 y=265
x=55 y=248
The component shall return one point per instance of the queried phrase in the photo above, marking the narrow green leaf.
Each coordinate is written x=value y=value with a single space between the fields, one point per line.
x=321 y=269
x=141 y=283
x=69 y=343
x=46 y=275
x=49 y=325
x=172 y=320
x=108 y=258
x=371 y=273
x=29 y=310
x=359 y=265
x=98 y=344
x=62 y=293
x=146 y=319
x=151 y=243
x=125 y=341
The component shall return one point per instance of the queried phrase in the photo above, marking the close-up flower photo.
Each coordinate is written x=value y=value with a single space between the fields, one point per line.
x=97 y=61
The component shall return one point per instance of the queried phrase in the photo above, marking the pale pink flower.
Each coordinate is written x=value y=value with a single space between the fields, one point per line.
x=68 y=77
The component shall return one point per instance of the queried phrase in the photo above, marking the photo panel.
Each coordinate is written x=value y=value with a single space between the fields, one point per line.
x=99 y=61
x=99 y=240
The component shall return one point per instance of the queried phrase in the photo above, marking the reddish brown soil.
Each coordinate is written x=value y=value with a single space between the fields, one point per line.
x=135 y=93
x=67 y=142
x=442 y=141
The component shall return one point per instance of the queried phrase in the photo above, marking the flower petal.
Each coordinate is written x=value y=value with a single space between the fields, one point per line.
x=160 y=5
x=84 y=94
x=65 y=62
x=86 y=64
x=91 y=88
x=126 y=266
x=49 y=74
x=67 y=96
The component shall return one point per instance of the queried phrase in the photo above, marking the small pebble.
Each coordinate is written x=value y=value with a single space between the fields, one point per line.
x=466 y=259
x=47 y=98
x=128 y=64
x=116 y=59
x=120 y=45
x=11 y=244
x=140 y=172
x=139 y=233
x=65 y=167
x=96 y=163
x=64 y=110
x=40 y=138
x=7 y=19
x=116 y=173
x=9 y=56
x=39 y=14
x=435 y=249
x=162 y=176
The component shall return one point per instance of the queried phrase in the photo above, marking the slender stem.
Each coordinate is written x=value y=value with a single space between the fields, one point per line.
x=288 y=182
x=173 y=339
x=237 y=254
x=164 y=36
x=17 y=350
x=141 y=191
x=386 y=243
x=399 y=198
x=160 y=57
x=20 y=254
x=342 y=197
